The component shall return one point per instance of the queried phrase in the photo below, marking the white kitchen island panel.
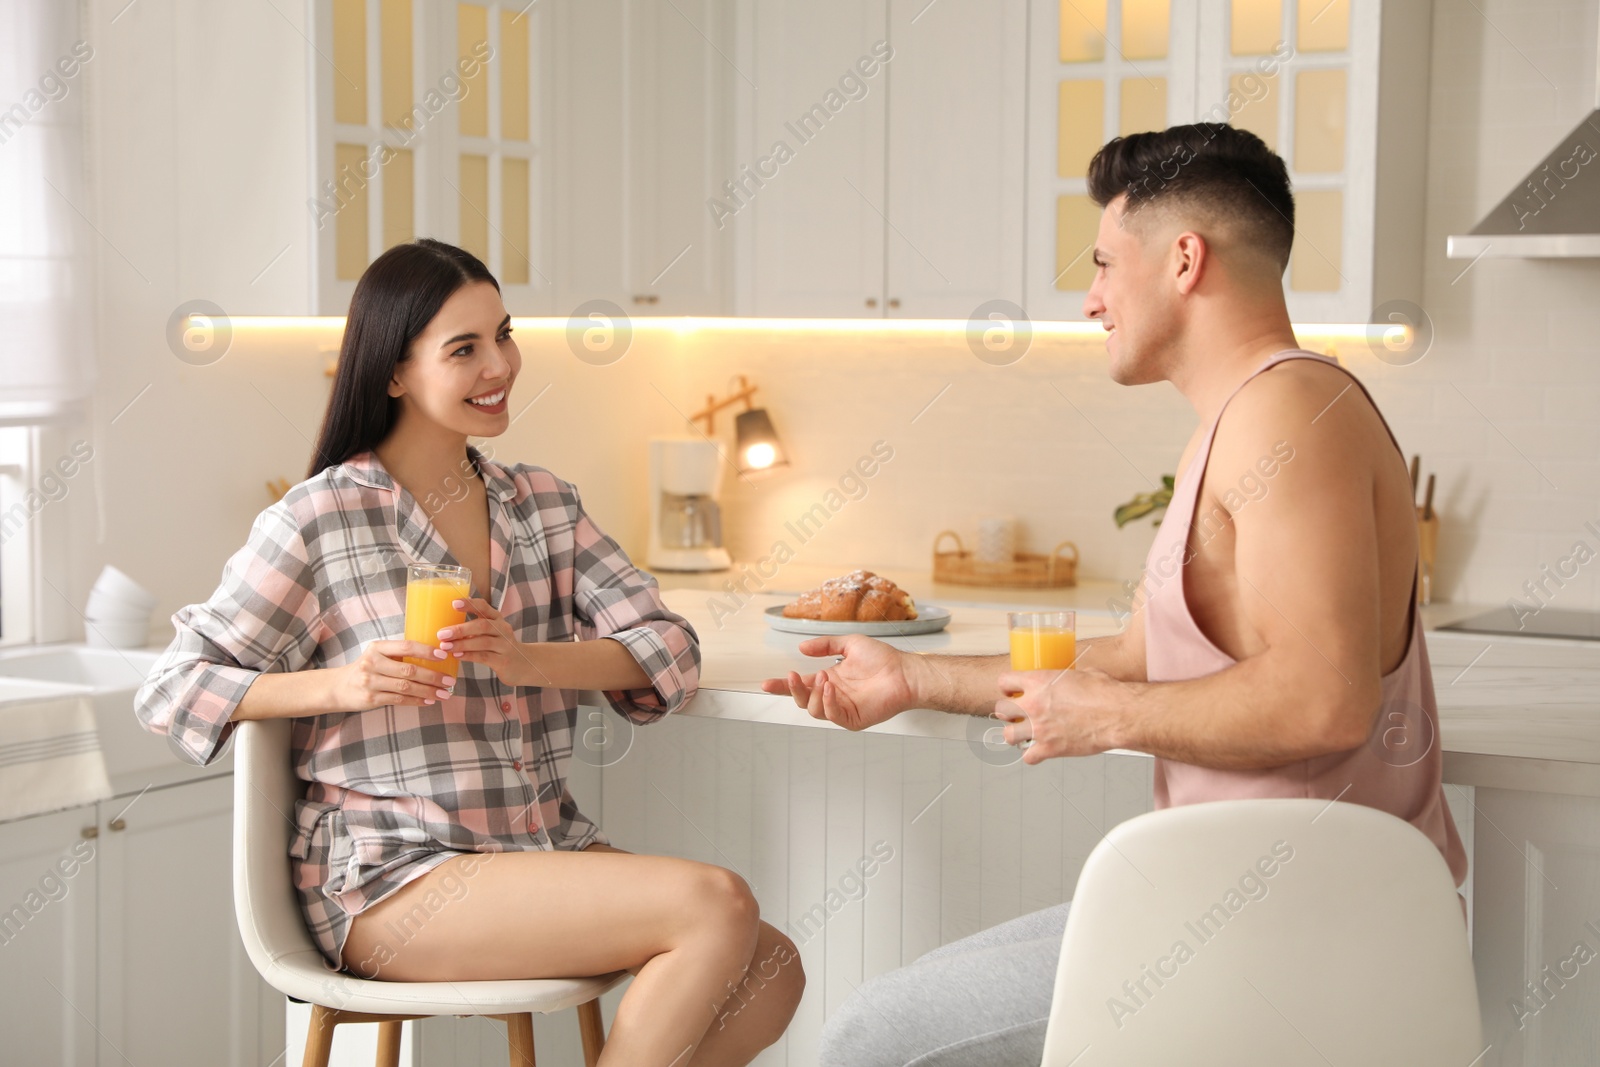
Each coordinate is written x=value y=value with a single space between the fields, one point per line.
x=867 y=849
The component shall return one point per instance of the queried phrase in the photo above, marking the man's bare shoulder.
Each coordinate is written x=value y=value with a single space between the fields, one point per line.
x=1312 y=413
x=1298 y=398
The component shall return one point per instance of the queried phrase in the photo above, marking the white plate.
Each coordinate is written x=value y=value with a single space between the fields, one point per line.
x=929 y=620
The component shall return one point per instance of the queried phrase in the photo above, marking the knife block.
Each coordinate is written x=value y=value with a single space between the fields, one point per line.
x=1427 y=548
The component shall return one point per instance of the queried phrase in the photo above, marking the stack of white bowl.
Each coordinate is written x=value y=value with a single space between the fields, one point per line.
x=118 y=613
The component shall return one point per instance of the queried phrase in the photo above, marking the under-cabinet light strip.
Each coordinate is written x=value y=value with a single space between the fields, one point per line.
x=1395 y=335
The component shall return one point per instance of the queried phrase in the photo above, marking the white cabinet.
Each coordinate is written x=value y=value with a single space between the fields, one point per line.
x=806 y=207
x=639 y=145
x=879 y=165
x=47 y=950
x=132 y=955
x=1307 y=76
x=1536 y=927
x=957 y=120
x=175 y=984
x=202 y=168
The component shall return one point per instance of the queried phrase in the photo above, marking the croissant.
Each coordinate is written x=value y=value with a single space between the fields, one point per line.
x=859 y=596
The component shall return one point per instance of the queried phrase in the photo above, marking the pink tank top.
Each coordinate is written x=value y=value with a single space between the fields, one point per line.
x=1398 y=768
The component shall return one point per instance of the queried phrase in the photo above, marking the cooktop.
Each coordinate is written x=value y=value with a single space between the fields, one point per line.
x=1545 y=622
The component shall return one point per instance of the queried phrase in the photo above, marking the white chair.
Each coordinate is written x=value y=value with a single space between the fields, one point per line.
x=1280 y=932
x=275 y=935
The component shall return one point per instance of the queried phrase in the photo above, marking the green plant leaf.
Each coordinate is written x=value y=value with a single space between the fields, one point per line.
x=1144 y=504
x=1137 y=508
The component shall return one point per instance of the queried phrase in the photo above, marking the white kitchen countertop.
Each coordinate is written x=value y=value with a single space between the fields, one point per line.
x=1515 y=713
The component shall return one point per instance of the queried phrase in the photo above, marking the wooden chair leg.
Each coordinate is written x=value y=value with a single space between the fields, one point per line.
x=593 y=1029
x=389 y=1043
x=319 y=1038
x=519 y=1033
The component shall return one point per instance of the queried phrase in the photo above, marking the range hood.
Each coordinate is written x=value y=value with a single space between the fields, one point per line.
x=1554 y=212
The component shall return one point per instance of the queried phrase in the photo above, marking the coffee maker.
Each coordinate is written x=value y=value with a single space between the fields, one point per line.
x=685 y=517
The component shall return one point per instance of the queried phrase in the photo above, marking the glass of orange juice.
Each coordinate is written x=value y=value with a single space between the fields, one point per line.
x=430 y=589
x=1043 y=640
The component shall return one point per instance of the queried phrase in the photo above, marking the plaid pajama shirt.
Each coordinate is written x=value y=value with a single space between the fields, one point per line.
x=397 y=790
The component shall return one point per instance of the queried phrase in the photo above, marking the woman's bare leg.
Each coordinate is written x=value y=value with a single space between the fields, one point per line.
x=759 y=1009
x=688 y=930
x=758 y=1012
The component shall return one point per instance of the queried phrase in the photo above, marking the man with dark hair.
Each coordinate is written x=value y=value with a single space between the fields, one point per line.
x=1226 y=179
x=1273 y=650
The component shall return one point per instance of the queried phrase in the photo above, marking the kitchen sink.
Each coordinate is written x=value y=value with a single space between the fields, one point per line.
x=96 y=668
x=28 y=690
x=134 y=756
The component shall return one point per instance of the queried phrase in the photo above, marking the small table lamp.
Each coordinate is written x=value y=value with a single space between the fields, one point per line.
x=755 y=438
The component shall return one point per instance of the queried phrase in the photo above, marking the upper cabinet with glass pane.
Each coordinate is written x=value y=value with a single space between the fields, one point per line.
x=1307 y=76
x=1285 y=71
x=1096 y=70
x=427 y=124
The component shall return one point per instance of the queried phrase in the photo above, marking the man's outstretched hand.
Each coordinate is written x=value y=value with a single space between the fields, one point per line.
x=870 y=684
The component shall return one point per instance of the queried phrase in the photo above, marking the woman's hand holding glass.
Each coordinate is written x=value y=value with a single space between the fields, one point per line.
x=489 y=639
x=382 y=676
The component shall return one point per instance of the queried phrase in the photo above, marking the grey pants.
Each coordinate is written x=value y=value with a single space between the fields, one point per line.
x=982 y=1001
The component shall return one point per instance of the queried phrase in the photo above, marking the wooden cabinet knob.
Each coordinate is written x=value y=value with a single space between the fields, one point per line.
x=90 y=832
x=646 y=298
x=872 y=301
x=118 y=824
x=894 y=301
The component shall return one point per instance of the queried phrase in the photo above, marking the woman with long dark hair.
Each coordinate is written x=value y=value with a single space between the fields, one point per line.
x=438 y=840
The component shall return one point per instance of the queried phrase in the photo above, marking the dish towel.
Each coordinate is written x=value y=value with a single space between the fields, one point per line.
x=49 y=754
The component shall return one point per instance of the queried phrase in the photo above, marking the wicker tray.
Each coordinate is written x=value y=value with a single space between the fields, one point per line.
x=1026 y=570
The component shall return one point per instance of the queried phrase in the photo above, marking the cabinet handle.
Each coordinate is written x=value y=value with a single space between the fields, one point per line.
x=646 y=298
x=894 y=301
x=118 y=824
x=90 y=832
x=872 y=301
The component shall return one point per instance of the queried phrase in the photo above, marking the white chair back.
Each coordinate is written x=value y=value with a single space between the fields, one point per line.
x=1281 y=932
x=265 y=789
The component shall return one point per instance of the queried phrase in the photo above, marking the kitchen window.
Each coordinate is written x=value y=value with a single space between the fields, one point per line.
x=428 y=124
x=47 y=484
x=17 y=529
x=47 y=368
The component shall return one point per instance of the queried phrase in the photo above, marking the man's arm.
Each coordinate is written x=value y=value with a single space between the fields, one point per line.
x=873 y=682
x=1120 y=655
x=970 y=685
x=1306 y=572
